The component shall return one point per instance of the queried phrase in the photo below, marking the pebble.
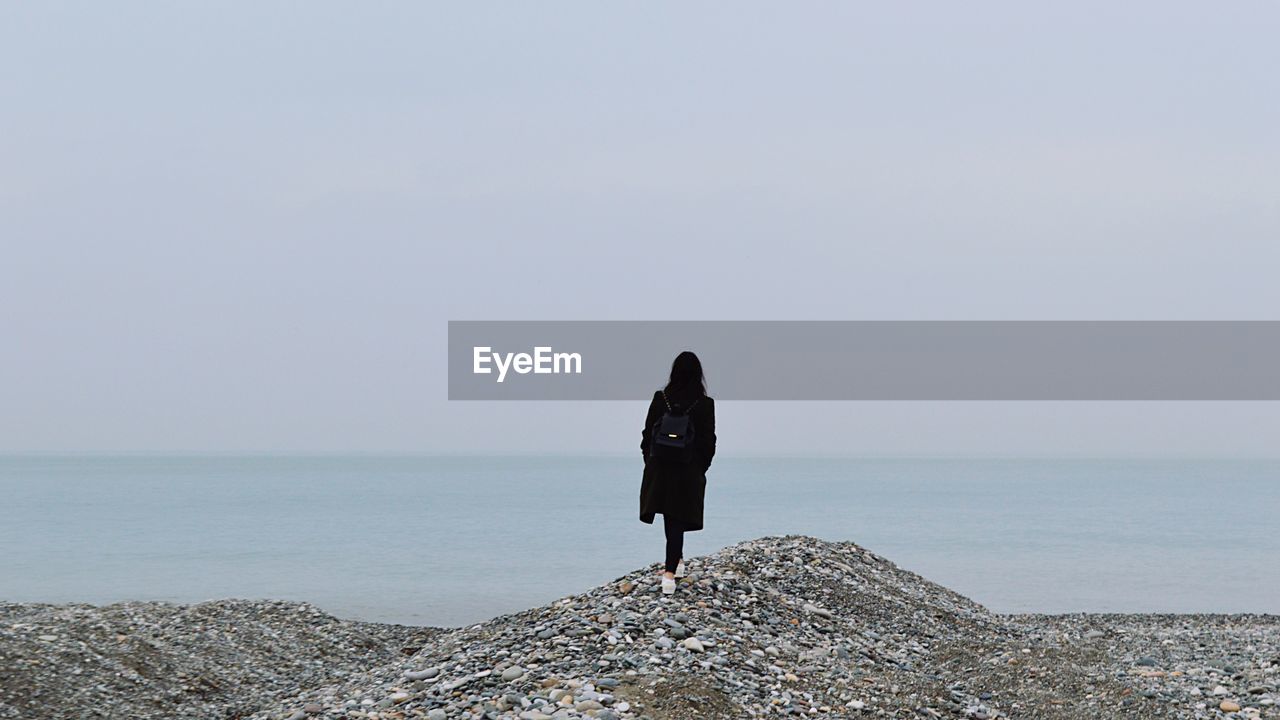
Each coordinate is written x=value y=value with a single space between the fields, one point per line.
x=820 y=612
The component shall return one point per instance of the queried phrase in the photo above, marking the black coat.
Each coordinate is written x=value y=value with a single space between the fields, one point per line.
x=677 y=489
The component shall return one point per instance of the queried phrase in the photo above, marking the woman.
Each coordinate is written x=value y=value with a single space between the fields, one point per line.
x=678 y=442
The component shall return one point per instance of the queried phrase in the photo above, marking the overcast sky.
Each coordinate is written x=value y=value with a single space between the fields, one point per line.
x=244 y=227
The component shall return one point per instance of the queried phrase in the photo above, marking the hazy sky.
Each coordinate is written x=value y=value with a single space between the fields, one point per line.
x=243 y=227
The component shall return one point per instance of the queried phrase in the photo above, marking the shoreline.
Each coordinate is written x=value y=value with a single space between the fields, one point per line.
x=766 y=628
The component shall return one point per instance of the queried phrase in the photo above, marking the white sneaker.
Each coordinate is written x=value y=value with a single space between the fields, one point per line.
x=680 y=568
x=668 y=586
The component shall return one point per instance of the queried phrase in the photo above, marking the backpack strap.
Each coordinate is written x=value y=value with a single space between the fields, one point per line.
x=668 y=402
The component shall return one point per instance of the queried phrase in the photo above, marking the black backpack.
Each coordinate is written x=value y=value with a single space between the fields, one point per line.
x=673 y=434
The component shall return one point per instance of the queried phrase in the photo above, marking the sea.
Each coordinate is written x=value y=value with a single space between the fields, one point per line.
x=455 y=540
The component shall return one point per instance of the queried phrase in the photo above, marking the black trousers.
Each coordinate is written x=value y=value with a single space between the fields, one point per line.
x=674 y=528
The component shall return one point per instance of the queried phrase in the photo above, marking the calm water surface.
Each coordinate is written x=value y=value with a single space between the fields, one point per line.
x=453 y=540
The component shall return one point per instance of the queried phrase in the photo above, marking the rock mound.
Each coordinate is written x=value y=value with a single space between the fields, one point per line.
x=222 y=659
x=775 y=627
x=772 y=627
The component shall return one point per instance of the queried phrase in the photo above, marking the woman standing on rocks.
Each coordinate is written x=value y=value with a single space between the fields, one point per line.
x=678 y=442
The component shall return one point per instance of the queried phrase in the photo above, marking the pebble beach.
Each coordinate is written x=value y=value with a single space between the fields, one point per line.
x=775 y=627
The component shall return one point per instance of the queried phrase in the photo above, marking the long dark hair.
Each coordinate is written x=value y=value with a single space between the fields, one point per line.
x=687 y=382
